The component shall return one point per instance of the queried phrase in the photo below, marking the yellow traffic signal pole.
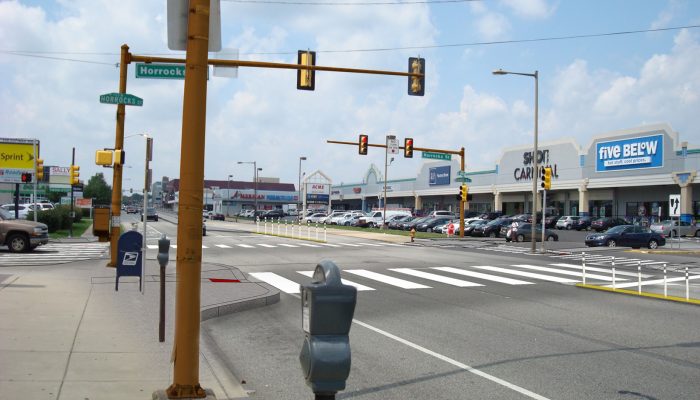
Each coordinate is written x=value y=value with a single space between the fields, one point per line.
x=189 y=229
x=460 y=153
x=117 y=175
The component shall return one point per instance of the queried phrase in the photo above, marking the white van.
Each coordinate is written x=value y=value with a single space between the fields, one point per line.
x=375 y=218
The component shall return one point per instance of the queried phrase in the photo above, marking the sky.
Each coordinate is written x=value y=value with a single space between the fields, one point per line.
x=58 y=57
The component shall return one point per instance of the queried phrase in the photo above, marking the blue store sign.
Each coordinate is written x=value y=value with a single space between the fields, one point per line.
x=439 y=176
x=317 y=198
x=635 y=153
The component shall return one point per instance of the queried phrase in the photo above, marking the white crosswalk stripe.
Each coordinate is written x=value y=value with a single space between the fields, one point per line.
x=435 y=277
x=481 y=275
x=309 y=245
x=152 y=246
x=345 y=281
x=566 y=272
x=281 y=283
x=389 y=280
x=371 y=244
x=245 y=246
x=351 y=244
x=594 y=269
x=288 y=245
x=223 y=246
x=56 y=253
x=266 y=245
x=526 y=274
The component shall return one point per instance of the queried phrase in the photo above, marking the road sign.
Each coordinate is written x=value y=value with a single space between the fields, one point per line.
x=463 y=179
x=16 y=158
x=436 y=156
x=121 y=98
x=674 y=205
x=160 y=71
x=392 y=144
x=461 y=173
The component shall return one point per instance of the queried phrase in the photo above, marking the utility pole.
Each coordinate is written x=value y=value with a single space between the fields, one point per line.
x=72 y=213
x=146 y=184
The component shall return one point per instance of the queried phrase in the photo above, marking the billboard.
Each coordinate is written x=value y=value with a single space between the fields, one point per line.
x=634 y=153
x=439 y=176
x=59 y=175
x=16 y=158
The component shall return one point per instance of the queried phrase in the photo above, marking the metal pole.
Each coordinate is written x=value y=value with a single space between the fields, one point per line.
x=145 y=213
x=535 y=169
x=386 y=168
x=115 y=223
x=583 y=260
x=255 y=185
x=665 y=283
x=70 y=229
x=161 y=321
x=687 y=285
x=544 y=225
x=189 y=253
x=613 y=273
x=639 y=277
x=36 y=209
x=461 y=201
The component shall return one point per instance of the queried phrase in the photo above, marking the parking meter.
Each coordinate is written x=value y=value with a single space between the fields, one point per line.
x=327 y=308
x=163 y=257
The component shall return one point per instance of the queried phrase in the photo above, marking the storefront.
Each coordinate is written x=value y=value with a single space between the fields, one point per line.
x=628 y=173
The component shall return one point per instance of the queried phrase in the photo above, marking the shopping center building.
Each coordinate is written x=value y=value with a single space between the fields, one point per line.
x=627 y=173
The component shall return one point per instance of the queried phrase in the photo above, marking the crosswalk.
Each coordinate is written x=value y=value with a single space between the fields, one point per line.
x=56 y=253
x=464 y=277
x=295 y=245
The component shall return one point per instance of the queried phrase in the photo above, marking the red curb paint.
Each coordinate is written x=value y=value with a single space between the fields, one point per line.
x=218 y=280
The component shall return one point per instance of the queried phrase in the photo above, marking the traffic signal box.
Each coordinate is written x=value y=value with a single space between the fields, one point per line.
x=363 y=143
x=26 y=177
x=39 y=169
x=74 y=174
x=306 y=78
x=546 y=178
x=408 y=148
x=416 y=85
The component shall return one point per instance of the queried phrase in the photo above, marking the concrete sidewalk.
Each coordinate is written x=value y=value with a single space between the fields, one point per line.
x=67 y=334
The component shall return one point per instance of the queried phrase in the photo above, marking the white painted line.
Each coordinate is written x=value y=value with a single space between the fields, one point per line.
x=371 y=244
x=594 y=269
x=654 y=282
x=277 y=281
x=345 y=281
x=152 y=246
x=435 y=277
x=527 y=274
x=174 y=246
x=389 y=280
x=288 y=245
x=350 y=244
x=205 y=247
x=308 y=245
x=330 y=244
x=480 y=275
x=247 y=246
x=250 y=236
x=223 y=246
x=266 y=245
x=570 y=273
x=393 y=244
x=456 y=363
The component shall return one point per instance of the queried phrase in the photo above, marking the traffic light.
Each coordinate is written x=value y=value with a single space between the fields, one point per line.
x=408 y=148
x=104 y=158
x=74 y=174
x=546 y=178
x=39 y=169
x=306 y=78
x=363 y=143
x=26 y=177
x=416 y=85
x=463 y=192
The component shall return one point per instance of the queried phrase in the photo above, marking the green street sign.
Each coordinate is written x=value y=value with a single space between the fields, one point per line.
x=121 y=98
x=436 y=156
x=160 y=71
x=463 y=179
x=461 y=173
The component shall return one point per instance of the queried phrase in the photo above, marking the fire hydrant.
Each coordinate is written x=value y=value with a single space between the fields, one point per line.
x=413 y=234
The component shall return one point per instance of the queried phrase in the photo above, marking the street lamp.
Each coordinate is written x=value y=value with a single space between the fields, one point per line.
x=255 y=181
x=228 y=195
x=535 y=168
x=299 y=187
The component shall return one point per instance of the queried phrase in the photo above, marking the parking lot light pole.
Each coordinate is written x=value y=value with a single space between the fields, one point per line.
x=257 y=176
x=535 y=169
x=228 y=195
x=299 y=187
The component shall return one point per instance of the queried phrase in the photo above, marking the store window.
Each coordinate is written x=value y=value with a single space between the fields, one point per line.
x=601 y=208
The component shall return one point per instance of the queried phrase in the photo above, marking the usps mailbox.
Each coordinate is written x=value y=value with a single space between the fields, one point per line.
x=129 y=256
x=327 y=308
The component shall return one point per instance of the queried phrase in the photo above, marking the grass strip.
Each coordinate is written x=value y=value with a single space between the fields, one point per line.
x=642 y=294
x=78 y=229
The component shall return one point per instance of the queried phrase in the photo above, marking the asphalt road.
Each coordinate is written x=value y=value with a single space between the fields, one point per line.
x=495 y=341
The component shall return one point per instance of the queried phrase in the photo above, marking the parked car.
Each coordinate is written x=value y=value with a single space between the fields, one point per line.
x=626 y=235
x=491 y=215
x=469 y=228
x=397 y=222
x=376 y=218
x=407 y=226
x=131 y=210
x=315 y=218
x=216 y=216
x=605 y=223
x=567 y=222
x=550 y=221
x=21 y=235
x=441 y=213
x=427 y=226
x=442 y=228
x=671 y=228
x=22 y=210
x=334 y=214
x=583 y=223
x=150 y=214
x=274 y=214
x=523 y=233
x=491 y=229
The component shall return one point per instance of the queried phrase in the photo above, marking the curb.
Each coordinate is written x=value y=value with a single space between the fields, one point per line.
x=664 y=251
x=220 y=310
x=642 y=294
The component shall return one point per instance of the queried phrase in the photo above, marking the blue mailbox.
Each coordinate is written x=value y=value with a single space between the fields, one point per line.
x=129 y=256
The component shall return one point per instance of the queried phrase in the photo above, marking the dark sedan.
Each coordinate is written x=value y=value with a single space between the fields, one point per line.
x=605 y=223
x=407 y=226
x=626 y=235
x=427 y=226
x=397 y=222
x=272 y=214
x=492 y=229
x=469 y=228
x=523 y=233
x=581 y=224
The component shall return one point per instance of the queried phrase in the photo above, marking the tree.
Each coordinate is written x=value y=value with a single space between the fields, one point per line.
x=98 y=189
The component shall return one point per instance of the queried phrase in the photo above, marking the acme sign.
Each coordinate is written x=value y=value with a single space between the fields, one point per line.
x=635 y=153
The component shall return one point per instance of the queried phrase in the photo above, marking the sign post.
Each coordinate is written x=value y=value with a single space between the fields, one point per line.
x=674 y=210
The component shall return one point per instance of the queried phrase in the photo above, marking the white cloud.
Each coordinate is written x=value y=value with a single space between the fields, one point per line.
x=530 y=8
x=493 y=26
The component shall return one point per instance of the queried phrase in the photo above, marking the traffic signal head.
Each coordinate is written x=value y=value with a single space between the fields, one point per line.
x=463 y=192
x=74 y=174
x=416 y=84
x=546 y=178
x=26 y=177
x=306 y=78
x=408 y=148
x=363 y=143
x=104 y=157
x=39 y=169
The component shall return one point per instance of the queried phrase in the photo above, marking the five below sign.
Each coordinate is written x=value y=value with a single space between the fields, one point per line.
x=160 y=71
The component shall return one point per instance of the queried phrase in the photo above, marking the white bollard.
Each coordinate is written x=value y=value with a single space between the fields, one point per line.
x=308 y=230
x=257 y=225
x=639 y=277
x=317 y=231
x=583 y=261
x=687 y=285
x=325 y=237
x=665 y=286
x=265 y=225
x=285 y=227
x=613 y=272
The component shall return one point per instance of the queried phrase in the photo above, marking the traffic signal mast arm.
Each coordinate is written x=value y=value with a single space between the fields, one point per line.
x=459 y=153
x=264 y=64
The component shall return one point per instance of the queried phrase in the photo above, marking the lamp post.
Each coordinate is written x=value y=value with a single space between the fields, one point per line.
x=228 y=195
x=535 y=167
x=144 y=213
x=255 y=182
x=299 y=187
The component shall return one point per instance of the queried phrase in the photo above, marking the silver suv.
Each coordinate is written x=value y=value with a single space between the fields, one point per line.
x=567 y=222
